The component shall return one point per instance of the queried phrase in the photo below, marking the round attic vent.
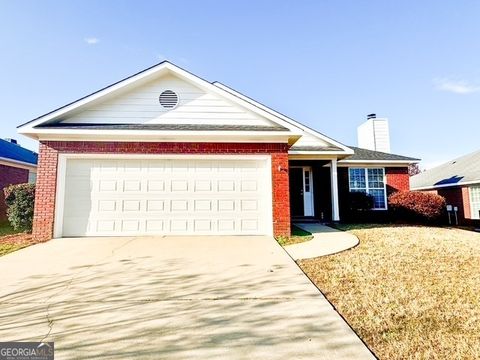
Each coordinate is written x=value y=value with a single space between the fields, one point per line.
x=168 y=99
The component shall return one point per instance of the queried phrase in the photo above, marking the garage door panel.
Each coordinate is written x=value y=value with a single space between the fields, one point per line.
x=166 y=196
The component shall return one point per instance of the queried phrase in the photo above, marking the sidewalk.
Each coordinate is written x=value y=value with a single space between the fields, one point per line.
x=326 y=241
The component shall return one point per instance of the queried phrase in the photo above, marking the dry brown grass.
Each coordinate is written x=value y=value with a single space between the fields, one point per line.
x=409 y=292
x=10 y=243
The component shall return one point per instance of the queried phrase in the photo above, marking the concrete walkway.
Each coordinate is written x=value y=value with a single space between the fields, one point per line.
x=326 y=241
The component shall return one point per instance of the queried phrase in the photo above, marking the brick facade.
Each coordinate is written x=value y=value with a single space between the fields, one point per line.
x=10 y=175
x=458 y=196
x=47 y=170
x=397 y=179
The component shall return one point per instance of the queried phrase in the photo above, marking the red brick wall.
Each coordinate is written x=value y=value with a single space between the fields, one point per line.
x=458 y=196
x=455 y=196
x=10 y=175
x=49 y=150
x=397 y=179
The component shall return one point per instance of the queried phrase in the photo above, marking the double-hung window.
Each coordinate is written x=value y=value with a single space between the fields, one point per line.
x=475 y=201
x=370 y=181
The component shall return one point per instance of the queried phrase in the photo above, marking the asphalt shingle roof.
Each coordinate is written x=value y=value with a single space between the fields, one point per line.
x=364 y=154
x=465 y=169
x=164 y=127
x=13 y=151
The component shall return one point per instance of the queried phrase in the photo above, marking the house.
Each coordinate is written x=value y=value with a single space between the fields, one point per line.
x=17 y=165
x=458 y=181
x=167 y=152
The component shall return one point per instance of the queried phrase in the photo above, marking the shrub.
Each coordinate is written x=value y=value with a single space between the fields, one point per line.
x=20 y=199
x=417 y=206
x=360 y=201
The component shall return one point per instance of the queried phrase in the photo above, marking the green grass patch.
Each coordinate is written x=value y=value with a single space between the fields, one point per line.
x=6 y=228
x=298 y=236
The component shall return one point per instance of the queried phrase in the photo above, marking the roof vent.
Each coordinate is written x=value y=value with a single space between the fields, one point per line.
x=371 y=116
x=168 y=99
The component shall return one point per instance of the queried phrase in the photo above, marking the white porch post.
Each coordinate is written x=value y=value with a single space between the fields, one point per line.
x=334 y=186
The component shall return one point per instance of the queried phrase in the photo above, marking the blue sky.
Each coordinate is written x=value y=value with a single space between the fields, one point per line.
x=326 y=64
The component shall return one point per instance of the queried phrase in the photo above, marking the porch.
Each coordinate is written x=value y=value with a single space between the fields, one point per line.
x=314 y=190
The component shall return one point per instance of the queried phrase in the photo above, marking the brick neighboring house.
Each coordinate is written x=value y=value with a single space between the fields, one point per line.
x=17 y=165
x=166 y=152
x=458 y=181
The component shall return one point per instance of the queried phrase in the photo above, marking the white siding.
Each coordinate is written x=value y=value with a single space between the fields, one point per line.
x=475 y=202
x=374 y=135
x=309 y=140
x=195 y=106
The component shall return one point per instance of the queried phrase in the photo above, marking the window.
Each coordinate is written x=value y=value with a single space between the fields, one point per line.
x=475 y=201
x=370 y=181
x=32 y=177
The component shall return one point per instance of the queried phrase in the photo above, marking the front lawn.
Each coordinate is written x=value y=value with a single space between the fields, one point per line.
x=409 y=292
x=10 y=240
x=298 y=236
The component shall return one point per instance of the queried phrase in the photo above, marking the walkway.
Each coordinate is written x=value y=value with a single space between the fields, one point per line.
x=326 y=241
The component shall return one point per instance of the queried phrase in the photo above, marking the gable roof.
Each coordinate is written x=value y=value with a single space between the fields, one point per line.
x=361 y=154
x=41 y=124
x=16 y=153
x=461 y=171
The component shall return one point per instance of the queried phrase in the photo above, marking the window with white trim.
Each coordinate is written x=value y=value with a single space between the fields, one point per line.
x=475 y=201
x=370 y=181
x=32 y=177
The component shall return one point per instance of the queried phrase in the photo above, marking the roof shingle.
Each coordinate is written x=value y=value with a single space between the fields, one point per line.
x=465 y=169
x=13 y=151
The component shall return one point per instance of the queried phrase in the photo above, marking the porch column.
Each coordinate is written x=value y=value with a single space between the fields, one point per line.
x=334 y=186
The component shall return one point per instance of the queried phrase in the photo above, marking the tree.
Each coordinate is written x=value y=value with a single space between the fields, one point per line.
x=414 y=169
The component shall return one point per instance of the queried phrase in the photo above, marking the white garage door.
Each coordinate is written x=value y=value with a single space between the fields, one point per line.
x=125 y=197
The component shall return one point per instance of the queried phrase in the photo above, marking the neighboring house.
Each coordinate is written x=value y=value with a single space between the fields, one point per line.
x=166 y=152
x=458 y=181
x=17 y=165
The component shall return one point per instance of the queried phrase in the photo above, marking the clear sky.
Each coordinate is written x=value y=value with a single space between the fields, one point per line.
x=326 y=64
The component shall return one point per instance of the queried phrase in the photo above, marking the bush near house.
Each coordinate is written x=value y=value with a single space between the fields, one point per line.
x=359 y=208
x=417 y=207
x=20 y=200
x=360 y=201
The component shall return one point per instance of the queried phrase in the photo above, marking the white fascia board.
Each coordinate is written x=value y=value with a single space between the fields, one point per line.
x=473 y=182
x=312 y=157
x=288 y=120
x=17 y=163
x=162 y=136
x=385 y=162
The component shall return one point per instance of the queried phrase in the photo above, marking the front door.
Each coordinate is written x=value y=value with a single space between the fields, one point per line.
x=301 y=191
x=296 y=192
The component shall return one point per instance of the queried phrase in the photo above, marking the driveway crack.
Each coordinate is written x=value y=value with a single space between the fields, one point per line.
x=49 y=324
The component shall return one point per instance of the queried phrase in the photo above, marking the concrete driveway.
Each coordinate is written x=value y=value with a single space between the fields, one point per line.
x=169 y=298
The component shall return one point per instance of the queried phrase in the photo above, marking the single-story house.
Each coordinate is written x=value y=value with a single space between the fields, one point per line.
x=167 y=152
x=458 y=181
x=17 y=165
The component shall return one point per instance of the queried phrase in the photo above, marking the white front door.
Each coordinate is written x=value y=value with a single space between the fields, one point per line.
x=307 y=191
x=200 y=196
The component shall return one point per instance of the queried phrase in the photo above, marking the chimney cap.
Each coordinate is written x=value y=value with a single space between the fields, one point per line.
x=371 y=116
